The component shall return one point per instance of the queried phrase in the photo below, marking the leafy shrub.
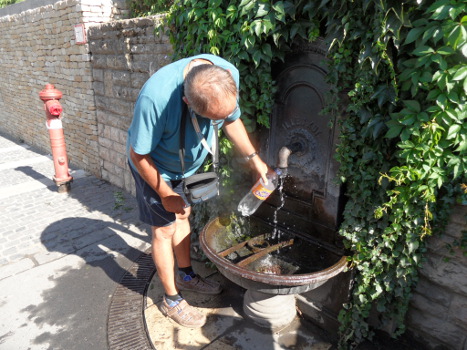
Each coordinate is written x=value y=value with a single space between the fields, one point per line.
x=146 y=7
x=5 y=3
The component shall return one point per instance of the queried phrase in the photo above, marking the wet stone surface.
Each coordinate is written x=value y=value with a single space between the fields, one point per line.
x=226 y=327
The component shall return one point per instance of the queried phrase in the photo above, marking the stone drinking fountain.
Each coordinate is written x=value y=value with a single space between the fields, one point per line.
x=292 y=246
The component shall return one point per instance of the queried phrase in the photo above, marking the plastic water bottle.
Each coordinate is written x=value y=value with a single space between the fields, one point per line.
x=258 y=194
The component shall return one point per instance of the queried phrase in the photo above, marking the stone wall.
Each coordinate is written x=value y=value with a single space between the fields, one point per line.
x=438 y=311
x=124 y=55
x=37 y=46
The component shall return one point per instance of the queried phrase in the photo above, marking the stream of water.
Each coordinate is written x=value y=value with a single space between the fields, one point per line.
x=280 y=188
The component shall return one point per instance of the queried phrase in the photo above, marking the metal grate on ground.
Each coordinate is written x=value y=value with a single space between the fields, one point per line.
x=126 y=326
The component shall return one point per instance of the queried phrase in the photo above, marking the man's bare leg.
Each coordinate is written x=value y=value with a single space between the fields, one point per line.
x=162 y=254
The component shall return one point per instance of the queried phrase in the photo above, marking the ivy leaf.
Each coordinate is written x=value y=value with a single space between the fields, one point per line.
x=257 y=57
x=257 y=27
x=462 y=146
x=393 y=131
x=267 y=26
x=263 y=10
x=381 y=305
x=460 y=74
x=293 y=31
x=441 y=101
x=464 y=50
x=413 y=246
x=440 y=60
x=245 y=2
x=280 y=11
x=426 y=77
x=214 y=50
x=457 y=35
x=412 y=105
x=414 y=34
x=433 y=94
x=428 y=33
x=267 y=51
x=422 y=50
x=440 y=12
x=249 y=42
x=246 y=6
x=406 y=145
x=453 y=131
x=445 y=50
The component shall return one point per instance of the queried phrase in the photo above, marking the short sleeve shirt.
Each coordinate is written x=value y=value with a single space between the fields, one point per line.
x=155 y=129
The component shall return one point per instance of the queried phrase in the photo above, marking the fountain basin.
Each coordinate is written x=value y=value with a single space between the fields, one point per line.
x=316 y=263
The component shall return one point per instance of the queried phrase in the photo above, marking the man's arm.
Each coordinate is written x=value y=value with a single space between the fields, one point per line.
x=171 y=201
x=236 y=133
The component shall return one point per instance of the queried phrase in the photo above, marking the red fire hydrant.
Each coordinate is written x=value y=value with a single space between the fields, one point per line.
x=53 y=109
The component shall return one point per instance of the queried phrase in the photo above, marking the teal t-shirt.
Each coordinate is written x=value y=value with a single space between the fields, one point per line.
x=155 y=128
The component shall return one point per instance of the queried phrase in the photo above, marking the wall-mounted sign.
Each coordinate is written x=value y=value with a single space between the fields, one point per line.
x=80 y=34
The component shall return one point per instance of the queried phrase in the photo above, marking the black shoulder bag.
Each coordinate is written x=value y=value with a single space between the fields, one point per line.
x=199 y=187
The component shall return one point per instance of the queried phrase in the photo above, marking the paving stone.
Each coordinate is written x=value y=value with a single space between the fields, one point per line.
x=15 y=268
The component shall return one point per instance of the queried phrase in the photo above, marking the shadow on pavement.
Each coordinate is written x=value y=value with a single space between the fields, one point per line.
x=97 y=242
x=94 y=240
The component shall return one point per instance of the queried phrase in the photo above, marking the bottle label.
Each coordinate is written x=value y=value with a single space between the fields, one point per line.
x=261 y=192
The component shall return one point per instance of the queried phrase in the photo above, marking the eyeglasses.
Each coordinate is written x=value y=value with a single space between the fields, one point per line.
x=237 y=107
x=216 y=122
x=233 y=112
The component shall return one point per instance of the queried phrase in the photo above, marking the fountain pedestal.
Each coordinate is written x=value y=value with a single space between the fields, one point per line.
x=270 y=311
x=270 y=298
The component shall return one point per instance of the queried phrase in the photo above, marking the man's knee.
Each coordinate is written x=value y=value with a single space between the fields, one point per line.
x=163 y=233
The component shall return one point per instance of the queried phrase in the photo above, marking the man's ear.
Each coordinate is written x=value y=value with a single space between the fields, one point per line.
x=185 y=100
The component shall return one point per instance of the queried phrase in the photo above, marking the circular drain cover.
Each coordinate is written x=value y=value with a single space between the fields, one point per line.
x=126 y=326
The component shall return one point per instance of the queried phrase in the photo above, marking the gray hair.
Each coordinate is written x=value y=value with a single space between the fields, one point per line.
x=206 y=84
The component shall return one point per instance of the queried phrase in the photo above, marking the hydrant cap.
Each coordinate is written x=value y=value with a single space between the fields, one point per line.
x=50 y=93
x=54 y=107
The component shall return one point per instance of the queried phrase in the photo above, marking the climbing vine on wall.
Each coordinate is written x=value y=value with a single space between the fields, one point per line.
x=408 y=105
x=401 y=66
x=145 y=7
x=4 y=3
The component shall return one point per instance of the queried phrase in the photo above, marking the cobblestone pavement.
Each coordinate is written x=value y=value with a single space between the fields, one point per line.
x=61 y=254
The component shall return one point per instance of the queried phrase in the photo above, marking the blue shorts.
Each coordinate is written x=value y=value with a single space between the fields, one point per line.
x=151 y=210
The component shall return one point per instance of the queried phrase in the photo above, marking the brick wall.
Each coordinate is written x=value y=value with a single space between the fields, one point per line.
x=37 y=46
x=124 y=55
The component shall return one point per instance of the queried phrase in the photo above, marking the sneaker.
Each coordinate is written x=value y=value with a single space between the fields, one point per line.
x=197 y=284
x=184 y=314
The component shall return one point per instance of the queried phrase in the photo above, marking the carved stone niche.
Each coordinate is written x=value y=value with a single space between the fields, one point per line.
x=313 y=198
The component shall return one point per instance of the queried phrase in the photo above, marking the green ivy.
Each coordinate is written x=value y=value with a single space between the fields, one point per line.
x=402 y=148
x=5 y=3
x=400 y=69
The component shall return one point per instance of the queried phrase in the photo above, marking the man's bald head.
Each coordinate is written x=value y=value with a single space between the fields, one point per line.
x=208 y=84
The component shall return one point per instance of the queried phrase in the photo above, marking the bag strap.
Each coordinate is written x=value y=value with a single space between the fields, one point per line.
x=215 y=146
x=181 y=151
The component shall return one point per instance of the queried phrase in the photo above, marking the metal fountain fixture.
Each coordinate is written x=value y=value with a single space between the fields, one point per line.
x=292 y=247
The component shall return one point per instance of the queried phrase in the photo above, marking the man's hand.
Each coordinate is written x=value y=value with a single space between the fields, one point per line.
x=236 y=132
x=174 y=203
x=261 y=168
